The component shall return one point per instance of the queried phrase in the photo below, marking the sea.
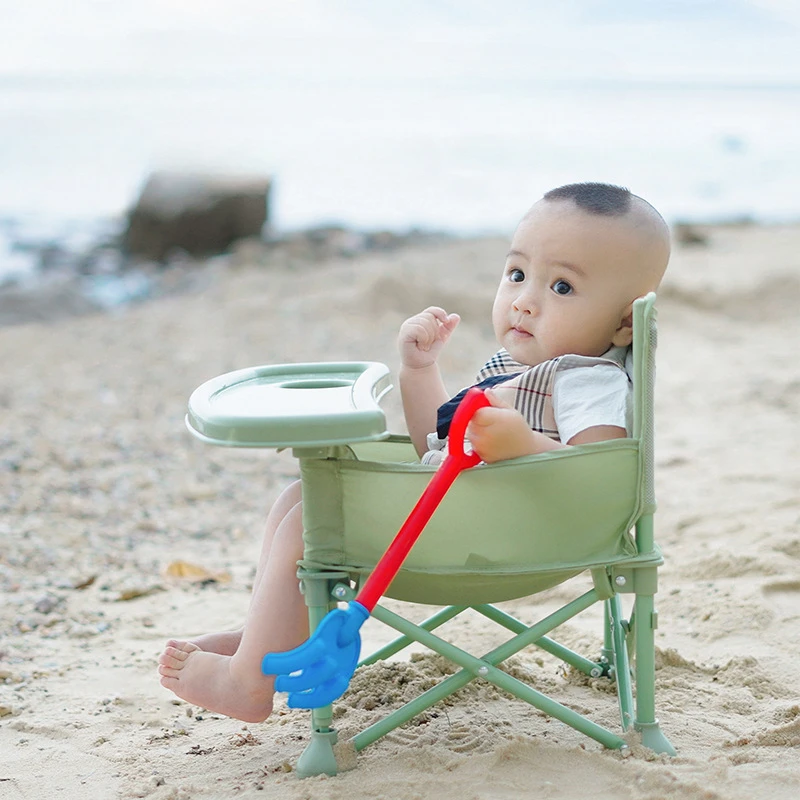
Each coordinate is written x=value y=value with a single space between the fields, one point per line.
x=427 y=114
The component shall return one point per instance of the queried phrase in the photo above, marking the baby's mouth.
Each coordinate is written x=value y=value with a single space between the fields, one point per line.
x=521 y=333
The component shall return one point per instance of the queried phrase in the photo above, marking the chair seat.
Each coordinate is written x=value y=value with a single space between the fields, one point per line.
x=478 y=546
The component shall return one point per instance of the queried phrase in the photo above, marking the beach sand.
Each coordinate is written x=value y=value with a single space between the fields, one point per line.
x=102 y=489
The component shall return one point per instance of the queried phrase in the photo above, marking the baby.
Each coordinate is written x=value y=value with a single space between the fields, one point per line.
x=562 y=314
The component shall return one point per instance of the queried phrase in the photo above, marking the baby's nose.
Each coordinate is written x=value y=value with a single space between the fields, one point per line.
x=526 y=303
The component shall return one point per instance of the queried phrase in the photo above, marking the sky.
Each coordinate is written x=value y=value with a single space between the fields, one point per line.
x=737 y=41
x=355 y=104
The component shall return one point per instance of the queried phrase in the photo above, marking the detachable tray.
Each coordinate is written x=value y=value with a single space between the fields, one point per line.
x=292 y=405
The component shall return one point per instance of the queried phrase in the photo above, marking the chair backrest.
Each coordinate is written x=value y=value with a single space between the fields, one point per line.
x=645 y=340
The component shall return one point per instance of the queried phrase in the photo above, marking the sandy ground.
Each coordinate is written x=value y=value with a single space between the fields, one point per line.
x=101 y=489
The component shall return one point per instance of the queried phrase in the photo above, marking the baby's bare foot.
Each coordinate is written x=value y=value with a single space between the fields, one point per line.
x=225 y=643
x=215 y=682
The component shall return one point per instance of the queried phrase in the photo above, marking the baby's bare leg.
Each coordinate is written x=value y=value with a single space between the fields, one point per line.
x=227 y=642
x=277 y=621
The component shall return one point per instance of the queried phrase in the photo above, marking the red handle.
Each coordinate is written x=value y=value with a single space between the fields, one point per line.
x=456 y=461
x=471 y=402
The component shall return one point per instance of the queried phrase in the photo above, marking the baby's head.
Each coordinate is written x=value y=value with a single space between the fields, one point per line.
x=578 y=260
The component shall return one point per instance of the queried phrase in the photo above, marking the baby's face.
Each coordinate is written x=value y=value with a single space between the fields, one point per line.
x=567 y=285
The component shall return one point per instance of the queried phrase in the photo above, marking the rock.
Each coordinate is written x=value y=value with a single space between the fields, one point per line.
x=201 y=214
x=690 y=235
x=47 y=604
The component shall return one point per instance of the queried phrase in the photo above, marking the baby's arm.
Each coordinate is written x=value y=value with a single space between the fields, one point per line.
x=499 y=432
x=420 y=341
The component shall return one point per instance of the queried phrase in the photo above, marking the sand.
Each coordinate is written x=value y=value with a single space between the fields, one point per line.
x=102 y=489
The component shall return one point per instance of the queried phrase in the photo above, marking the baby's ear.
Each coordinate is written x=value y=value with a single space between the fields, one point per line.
x=624 y=333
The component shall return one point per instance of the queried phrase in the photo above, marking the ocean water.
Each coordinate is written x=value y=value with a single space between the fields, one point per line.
x=431 y=114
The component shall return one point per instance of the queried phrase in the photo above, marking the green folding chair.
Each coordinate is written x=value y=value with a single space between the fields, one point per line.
x=503 y=531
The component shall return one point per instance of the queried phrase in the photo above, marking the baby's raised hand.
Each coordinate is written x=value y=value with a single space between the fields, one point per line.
x=422 y=336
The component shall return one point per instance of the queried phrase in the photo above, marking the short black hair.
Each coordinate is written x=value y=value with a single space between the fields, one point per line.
x=596 y=198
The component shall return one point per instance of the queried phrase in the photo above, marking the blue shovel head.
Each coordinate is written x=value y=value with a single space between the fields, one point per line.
x=318 y=671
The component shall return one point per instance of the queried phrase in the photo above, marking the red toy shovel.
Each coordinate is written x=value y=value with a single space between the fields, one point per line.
x=319 y=670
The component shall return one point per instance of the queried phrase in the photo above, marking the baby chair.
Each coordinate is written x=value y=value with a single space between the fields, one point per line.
x=503 y=531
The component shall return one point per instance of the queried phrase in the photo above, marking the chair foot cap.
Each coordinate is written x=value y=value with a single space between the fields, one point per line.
x=318 y=757
x=653 y=738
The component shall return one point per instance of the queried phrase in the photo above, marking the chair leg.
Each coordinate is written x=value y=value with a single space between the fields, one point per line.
x=485 y=667
x=566 y=655
x=617 y=631
x=645 y=622
x=607 y=653
x=402 y=642
x=318 y=757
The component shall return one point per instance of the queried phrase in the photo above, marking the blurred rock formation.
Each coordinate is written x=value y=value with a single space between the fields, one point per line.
x=199 y=214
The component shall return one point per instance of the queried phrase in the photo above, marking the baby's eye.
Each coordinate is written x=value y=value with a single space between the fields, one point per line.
x=562 y=288
x=516 y=275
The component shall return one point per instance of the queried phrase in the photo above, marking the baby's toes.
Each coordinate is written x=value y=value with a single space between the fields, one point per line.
x=166 y=671
x=180 y=644
x=174 y=657
x=168 y=681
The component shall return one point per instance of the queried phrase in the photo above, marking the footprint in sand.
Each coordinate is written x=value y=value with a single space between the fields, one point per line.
x=746 y=672
x=728 y=565
x=791 y=548
x=460 y=738
x=783 y=731
x=783 y=596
